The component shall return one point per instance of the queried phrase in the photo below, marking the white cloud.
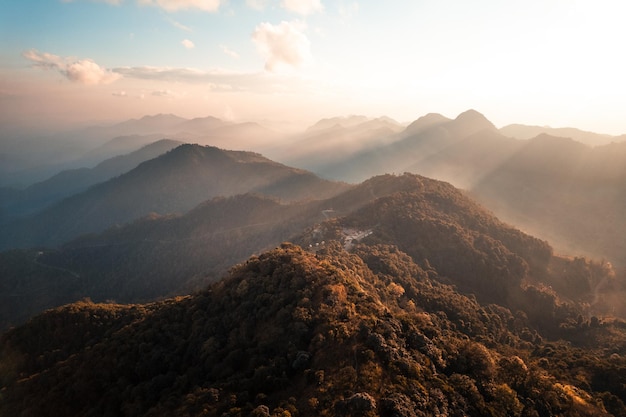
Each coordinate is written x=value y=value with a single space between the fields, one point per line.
x=188 y=44
x=179 y=25
x=165 y=94
x=121 y=94
x=303 y=7
x=83 y=71
x=175 y=5
x=216 y=80
x=283 y=44
x=229 y=51
x=257 y=4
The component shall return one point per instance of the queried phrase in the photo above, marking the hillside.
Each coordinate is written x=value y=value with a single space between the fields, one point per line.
x=299 y=333
x=67 y=183
x=331 y=141
x=178 y=253
x=564 y=191
x=554 y=187
x=168 y=255
x=171 y=183
x=519 y=131
x=421 y=139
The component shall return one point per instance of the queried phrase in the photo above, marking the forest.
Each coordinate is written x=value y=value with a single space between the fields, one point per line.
x=441 y=310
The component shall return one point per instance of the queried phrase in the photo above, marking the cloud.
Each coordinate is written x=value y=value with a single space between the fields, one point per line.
x=179 y=25
x=165 y=94
x=303 y=7
x=229 y=51
x=188 y=44
x=82 y=71
x=121 y=94
x=257 y=4
x=176 y=5
x=282 y=44
x=190 y=75
x=216 y=80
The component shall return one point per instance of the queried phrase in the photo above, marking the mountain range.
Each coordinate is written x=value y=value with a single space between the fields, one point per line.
x=33 y=158
x=250 y=287
x=66 y=183
x=416 y=303
x=171 y=183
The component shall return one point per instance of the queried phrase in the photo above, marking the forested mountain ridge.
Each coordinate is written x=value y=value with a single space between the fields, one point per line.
x=174 y=182
x=363 y=332
x=167 y=255
x=69 y=182
x=558 y=188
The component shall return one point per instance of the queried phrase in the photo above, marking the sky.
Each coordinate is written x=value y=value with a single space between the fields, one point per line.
x=539 y=62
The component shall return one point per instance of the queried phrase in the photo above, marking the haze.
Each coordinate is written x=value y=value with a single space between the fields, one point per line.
x=557 y=63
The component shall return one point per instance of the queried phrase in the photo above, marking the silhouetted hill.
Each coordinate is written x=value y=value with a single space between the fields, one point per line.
x=70 y=182
x=425 y=122
x=557 y=188
x=178 y=253
x=118 y=146
x=174 y=182
x=469 y=160
x=564 y=191
x=291 y=332
x=333 y=140
x=431 y=221
x=520 y=131
x=423 y=138
x=335 y=122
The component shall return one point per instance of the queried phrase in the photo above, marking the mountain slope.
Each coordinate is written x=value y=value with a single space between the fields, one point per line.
x=173 y=182
x=333 y=140
x=564 y=191
x=178 y=253
x=520 y=131
x=430 y=220
x=423 y=138
x=70 y=182
x=292 y=332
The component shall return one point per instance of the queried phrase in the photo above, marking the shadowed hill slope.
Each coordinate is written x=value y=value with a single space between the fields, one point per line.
x=420 y=140
x=174 y=182
x=436 y=224
x=67 y=183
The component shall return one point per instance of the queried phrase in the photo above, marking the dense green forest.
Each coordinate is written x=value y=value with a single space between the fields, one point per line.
x=416 y=303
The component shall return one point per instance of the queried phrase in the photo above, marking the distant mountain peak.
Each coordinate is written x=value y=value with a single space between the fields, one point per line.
x=426 y=121
x=341 y=121
x=473 y=116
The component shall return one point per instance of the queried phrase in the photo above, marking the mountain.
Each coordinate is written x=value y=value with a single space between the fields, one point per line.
x=332 y=122
x=170 y=255
x=171 y=183
x=179 y=253
x=557 y=188
x=33 y=157
x=564 y=191
x=70 y=182
x=334 y=140
x=520 y=131
x=421 y=139
x=352 y=326
x=118 y=146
